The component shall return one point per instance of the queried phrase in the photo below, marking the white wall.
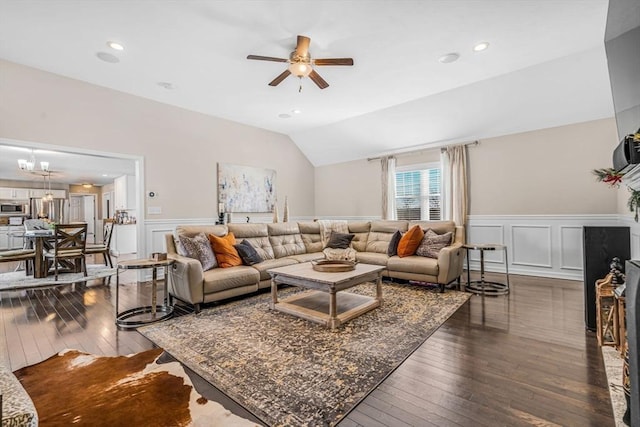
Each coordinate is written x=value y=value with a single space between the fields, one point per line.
x=180 y=148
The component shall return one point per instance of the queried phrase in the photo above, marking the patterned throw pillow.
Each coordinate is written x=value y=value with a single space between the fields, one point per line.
x=410 y=241
x=198 y=247
x=248 y=253
x=393 y=243
x=226 y=254
x=433 y=243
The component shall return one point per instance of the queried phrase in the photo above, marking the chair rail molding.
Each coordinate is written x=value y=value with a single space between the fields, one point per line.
x=540 y=245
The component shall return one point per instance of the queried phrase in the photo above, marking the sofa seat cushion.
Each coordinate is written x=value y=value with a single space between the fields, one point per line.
x=312 y=256
x=267 y=264
x=372 y=258
x=414 y=264
x=220 y=279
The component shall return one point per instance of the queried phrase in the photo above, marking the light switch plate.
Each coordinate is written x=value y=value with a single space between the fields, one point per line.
x=154 y=210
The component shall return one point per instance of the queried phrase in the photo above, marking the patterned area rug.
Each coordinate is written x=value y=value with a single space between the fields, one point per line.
x=75 y=388
x=288 y=371
x=18 y=280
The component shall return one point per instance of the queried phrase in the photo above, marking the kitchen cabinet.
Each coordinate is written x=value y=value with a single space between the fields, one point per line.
x=124 y=239
x=4 y=237
x=124 y=189
x=14 y=193
x=11 y=237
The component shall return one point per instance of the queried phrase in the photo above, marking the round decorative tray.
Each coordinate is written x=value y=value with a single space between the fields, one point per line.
x=333 y=266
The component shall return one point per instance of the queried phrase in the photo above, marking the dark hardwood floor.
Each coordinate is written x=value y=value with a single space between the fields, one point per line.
x=522 y=359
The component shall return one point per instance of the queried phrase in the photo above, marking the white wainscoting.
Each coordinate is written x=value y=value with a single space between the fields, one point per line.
x=540 y=245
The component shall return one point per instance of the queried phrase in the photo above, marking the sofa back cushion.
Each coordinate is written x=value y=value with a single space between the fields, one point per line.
x=310 y=233
x=285 y=239
x=361 y=230
x=257 y=235
x=440 y=227
x=380 y=235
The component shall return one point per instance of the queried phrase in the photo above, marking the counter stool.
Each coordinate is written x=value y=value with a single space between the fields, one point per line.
x=482 y=286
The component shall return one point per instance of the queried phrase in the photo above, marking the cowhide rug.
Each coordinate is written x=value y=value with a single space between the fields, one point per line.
x=75 y=388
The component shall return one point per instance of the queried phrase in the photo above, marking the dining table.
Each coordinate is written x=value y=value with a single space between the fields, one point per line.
x=40 y=240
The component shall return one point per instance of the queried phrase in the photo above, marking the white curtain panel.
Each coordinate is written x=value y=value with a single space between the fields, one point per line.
x=455 y=187
x=388 y=175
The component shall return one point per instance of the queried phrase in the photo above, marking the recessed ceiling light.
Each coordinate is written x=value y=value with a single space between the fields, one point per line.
x=166 y=85
x=284 y=116
x=296 y=111
x=449 y=57
x=480 y=47
x=115 y=45
x=107 y=57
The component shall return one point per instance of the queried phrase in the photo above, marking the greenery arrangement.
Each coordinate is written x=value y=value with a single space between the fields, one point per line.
x=613 y=178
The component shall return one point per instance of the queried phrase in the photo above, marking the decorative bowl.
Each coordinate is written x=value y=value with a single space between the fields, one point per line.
x=333 y=266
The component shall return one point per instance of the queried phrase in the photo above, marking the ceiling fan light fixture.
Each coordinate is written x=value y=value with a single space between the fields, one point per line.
x=44 y=166
x=300 y=69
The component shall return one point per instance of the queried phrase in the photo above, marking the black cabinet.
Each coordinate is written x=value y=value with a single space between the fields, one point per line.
x=601 y=244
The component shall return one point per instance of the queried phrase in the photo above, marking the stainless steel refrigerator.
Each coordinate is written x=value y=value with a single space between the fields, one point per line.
x=56 y=210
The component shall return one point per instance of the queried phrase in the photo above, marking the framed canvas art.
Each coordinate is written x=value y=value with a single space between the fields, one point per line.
x=246 y=188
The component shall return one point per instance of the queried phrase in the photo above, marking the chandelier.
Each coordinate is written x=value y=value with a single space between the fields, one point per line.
x=30 y=165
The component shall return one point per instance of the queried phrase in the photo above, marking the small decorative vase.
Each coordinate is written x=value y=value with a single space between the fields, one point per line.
x=285 y=215
x=275 y=212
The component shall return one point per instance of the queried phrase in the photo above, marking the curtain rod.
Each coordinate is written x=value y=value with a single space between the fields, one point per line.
x=403 y=153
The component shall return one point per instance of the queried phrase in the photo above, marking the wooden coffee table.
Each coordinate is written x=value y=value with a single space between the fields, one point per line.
x=321 y=304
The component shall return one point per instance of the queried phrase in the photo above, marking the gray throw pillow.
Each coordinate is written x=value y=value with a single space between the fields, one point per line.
x=198 y=247
x=340 y=240
x=393 y=243
x=432 y=243
x=248 y=253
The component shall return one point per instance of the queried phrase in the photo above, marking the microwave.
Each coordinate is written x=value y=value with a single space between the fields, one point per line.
x=12 y=209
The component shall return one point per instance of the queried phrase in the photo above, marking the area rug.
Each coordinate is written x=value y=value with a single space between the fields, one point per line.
x=18 y=280
x=75 y=388
x=288 y=371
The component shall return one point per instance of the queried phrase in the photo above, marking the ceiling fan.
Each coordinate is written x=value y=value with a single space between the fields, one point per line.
x=301 y=64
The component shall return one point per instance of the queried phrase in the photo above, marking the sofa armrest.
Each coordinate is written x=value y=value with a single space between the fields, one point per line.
x=450 y=263
x=187 y=279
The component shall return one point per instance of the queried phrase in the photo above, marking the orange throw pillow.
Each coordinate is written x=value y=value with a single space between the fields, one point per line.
x=409 y=241
x=226 y=254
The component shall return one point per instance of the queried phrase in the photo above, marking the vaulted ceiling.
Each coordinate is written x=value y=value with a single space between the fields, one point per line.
x=545 y=65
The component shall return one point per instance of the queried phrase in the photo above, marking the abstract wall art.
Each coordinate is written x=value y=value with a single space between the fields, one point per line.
x=246 y=188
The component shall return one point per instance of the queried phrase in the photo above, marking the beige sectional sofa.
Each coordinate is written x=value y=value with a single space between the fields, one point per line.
x=282 y=244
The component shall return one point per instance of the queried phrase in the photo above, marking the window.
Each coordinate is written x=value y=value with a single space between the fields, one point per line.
x=418 y=194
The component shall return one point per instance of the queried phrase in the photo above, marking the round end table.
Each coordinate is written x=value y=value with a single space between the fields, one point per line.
x=140 y=316
x=482 y=286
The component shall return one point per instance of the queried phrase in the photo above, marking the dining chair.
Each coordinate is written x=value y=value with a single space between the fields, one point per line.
x=68 y=245
x=103 y=248
x=19 y=255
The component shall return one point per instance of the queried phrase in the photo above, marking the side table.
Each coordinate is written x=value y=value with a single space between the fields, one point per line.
x=139 y=316
x=483 y=286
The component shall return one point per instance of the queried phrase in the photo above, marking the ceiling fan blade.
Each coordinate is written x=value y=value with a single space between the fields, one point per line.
x=302 y=48
x=280 y=78
x=266 y=58
x=333 y=61
x=318 y=80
